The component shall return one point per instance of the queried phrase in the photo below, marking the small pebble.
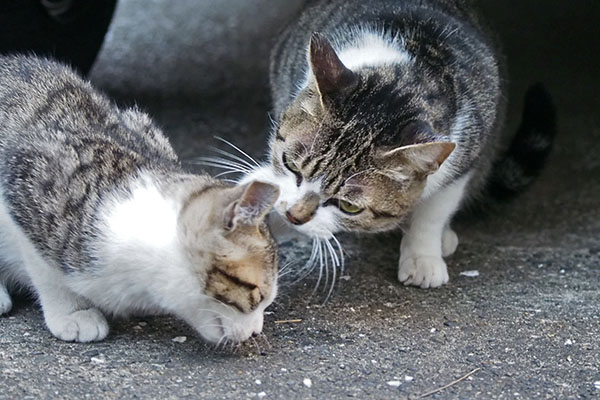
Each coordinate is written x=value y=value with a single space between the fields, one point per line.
x=142 y=323
x=408 y=378
x=568 y=342
x=470 y=274
x=345 y=277
x=97 y=360
x=307 y=382
x=258 y=381
x=433 y=330
x=283 y=369
x=179 y=339
x=261 y=395
x=597 y=385
x=394 y=383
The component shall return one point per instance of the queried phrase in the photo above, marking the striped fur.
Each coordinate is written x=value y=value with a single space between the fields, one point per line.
x=390 y=108
x=97 y=217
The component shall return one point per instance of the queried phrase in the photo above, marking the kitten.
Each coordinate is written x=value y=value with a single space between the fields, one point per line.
x=97 y=216
x=390 y=117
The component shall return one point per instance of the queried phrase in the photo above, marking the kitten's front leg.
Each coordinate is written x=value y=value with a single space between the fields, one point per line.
x=68 y=315
x=421 y=250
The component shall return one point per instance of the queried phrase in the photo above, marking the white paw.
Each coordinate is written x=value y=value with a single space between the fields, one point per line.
x=449 y=242
x=423 y=271
x=5 y=301
x=80 y=326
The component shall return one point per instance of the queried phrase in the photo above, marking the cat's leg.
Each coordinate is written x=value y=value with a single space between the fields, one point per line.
x=5 y=301
x=421 y=250
x=68 y=316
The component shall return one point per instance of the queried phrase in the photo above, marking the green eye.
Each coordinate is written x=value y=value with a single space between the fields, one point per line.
x=349 y=208
x=291 y=166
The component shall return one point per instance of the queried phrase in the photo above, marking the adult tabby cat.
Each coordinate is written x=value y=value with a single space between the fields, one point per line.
x=389 y=113
x=97 y=217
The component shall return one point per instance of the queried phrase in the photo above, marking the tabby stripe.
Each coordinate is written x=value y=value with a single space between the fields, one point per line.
x=236 y=280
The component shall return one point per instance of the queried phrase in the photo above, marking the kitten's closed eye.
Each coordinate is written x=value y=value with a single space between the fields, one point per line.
x=293 y=168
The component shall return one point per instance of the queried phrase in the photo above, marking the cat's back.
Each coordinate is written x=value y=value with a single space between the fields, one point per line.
x=46 y=104
x=63 y=147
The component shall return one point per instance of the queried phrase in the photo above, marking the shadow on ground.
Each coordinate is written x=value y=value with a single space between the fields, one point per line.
x=528 y=325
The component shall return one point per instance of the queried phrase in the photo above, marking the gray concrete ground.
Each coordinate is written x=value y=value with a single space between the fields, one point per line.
x=528 y=325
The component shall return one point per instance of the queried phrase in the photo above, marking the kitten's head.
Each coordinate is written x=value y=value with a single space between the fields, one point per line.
x=233 y=255
x=354 y=149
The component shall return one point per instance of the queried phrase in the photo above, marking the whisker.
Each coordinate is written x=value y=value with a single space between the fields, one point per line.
x=256 y=345
x=264 y=338
x=238 y=149
x=341 y=252
x=221 y=163
x=233 y=157
x=334 y=259
x=320 y=270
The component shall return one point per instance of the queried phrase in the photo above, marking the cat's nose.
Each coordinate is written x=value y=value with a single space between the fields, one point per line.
x=304 y=209
x=294 y=220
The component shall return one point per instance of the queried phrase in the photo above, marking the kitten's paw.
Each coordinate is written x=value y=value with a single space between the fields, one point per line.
x=5 y=301
x=80 y=326
x=423 y=271
x=449 y=242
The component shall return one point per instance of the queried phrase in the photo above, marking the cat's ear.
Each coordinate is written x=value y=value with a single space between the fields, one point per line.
x=331 y=75
x=254 y=204
x=424 y=158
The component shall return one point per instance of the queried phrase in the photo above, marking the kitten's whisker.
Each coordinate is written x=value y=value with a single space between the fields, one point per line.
x=335 y=262
x=326 y=265
x=238 y=149
x=256 y=345
x=341 y=252
x=227 y=173
x=320 y=271
x=264 y=338
x=232 y=157
x=221 y=163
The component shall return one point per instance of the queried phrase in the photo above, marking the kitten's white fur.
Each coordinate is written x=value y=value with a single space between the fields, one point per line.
x=143 y=271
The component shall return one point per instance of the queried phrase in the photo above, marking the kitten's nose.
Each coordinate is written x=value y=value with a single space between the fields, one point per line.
x=292 y=219
x=304 y=209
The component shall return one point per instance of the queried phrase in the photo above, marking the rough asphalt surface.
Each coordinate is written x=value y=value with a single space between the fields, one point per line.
x=528 y=325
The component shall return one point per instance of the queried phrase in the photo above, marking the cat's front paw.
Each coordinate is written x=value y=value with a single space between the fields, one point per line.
x=449 y=242
x=5 y=301
x=423 y=271
x=80 y=326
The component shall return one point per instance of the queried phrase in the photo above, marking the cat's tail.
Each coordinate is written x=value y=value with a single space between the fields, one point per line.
x=524 y=159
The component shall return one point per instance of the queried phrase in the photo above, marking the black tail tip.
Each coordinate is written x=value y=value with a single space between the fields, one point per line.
x=539 y=109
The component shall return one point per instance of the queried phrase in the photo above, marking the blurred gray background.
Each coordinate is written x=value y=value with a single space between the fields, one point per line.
x=528 y=325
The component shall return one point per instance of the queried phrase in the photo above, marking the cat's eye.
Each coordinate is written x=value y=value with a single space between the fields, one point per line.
x=293 y=168
x=348 y=207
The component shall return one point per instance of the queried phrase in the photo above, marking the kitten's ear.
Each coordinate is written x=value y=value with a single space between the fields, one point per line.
x=331 y=75
x=425 y=158
x=254 y=204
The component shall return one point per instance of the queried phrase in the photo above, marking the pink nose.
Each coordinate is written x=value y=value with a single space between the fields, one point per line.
x=294 y=220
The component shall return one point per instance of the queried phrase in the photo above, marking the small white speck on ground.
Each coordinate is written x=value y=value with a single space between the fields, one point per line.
x=562 y=271
x=283 y=369
x=142 y=323
x=470 y=274
x=345 y=277
x=394 y=383
x=433 y=330
x=97 y=360
x=307 y=382
x=26 y=334
x=568 y=342
x=257 y=381
x=261 y=395
x=179 y=339
x=408 y=378
x=597 y=385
